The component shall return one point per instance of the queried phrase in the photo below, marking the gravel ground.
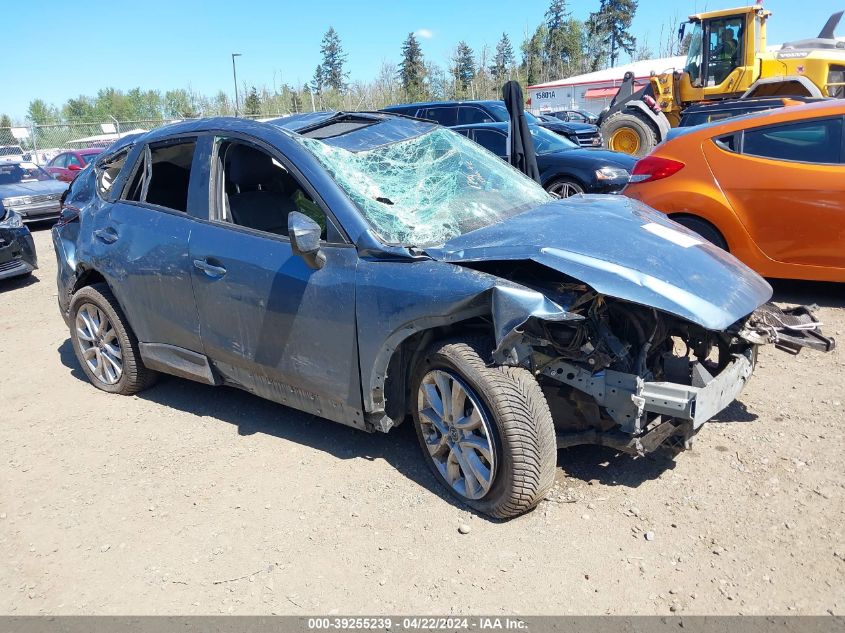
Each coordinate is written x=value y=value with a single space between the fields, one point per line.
x=189 y=499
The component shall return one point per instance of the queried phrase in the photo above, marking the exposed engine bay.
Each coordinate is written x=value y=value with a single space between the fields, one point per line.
x=634 y=377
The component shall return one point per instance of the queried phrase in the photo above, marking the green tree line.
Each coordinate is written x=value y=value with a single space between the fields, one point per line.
x=559 y=47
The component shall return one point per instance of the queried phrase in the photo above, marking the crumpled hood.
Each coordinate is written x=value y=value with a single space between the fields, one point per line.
x=624 y=249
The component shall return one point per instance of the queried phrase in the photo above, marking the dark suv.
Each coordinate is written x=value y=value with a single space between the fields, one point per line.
x=452 y=113
x=700 y=113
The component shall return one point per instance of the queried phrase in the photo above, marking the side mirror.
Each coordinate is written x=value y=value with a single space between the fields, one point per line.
x=74 y=167
x=304 y=236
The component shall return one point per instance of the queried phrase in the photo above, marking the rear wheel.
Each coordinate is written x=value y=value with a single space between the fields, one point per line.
x=104 y=343
x=704 y=229
x=564 y=187
x=486 y=432
x=629 y=133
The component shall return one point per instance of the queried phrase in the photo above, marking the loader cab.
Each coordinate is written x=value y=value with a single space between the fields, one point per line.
x=721 y=54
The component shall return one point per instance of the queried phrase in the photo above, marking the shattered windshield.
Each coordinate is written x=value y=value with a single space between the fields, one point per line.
x=426 y=190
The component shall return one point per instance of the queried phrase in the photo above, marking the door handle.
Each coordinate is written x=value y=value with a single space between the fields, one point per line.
x=107 y=235
x=209 y=269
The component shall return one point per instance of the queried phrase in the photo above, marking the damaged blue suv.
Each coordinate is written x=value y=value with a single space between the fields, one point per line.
x=369 y=268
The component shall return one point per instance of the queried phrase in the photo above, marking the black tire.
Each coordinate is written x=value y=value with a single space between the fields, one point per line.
x=565 y=187
x=135 y=376
x=523 y=432
x=646 y=134
x=704 y=229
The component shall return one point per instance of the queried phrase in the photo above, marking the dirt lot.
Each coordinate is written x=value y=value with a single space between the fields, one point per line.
x=189 y=499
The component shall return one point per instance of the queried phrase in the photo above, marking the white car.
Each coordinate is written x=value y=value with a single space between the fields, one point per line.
x=13 y=154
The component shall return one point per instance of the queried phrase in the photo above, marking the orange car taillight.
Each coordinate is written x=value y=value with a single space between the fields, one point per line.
x=655 y=168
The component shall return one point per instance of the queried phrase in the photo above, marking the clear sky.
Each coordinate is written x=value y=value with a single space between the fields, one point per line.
x=57 y=49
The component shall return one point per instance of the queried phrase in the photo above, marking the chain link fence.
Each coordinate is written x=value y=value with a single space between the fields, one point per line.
x=41 y=143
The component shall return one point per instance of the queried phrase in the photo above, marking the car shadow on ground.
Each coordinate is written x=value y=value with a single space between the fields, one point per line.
x=8 y=285
x=823 y=294
x=736 y=411
x=251 y=414
x=609 y=467
x=399 y=448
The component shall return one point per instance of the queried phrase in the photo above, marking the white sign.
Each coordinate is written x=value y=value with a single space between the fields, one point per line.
x=20 y=132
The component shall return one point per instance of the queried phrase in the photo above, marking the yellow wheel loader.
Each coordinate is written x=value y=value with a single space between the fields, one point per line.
x=727 y=59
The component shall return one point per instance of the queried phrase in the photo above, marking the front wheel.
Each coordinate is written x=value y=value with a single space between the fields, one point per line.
x=564 y=187
x=486 y=432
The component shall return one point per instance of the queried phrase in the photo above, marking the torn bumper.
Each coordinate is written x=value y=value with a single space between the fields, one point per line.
x=698 y=404
x=642 y=407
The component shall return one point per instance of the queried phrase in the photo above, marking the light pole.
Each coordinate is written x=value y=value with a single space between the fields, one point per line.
x=235 y=75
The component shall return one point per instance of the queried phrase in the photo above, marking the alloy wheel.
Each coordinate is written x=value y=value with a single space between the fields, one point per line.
x=99 y=344
x=457 y=434
x=565 y=189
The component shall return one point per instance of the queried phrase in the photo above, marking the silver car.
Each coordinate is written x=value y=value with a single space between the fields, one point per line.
x=29 y=191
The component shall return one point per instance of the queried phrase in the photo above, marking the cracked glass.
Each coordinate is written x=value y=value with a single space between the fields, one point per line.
x=428 y=189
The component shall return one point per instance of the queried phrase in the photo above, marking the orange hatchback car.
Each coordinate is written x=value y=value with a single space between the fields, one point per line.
x=768 y=187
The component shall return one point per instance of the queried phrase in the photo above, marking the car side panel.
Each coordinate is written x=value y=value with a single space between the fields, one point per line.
x=148 y=269
x=694 y=191
x=276 y=327
x=397 y=299
x=793 y=211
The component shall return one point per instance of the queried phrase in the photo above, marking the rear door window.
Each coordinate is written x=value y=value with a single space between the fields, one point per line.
x=163 y=175
x=444 y=116
x=818 y=141
x=108 y=171
x=467 y=115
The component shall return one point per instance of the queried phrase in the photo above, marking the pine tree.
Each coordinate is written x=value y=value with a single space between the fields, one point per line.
x=317 y=81
x=554 y=49
x=463 y=66
x=611 y=24
x=252 y=103
x=5 y=121
x=564 y=42
x=412 y=69
x=503 y=59
x=556 y=15
x=295 y=100
x=333 y=75
x=534 y=56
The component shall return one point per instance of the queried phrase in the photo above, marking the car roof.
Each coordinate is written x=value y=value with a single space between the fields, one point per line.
x=429 y=104
x=494 y=125
x=353 y=131
x=742 y=104
x=819 y=109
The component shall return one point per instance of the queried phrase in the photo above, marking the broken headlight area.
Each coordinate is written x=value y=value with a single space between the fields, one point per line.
x=635 y=378
x=788 y=330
